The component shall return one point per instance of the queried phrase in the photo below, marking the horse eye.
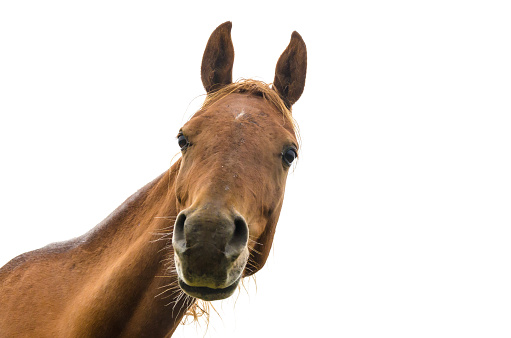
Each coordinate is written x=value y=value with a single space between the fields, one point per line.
x=182 y=141
x=289 y=156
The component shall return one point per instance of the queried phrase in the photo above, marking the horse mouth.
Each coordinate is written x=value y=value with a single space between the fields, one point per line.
x=206 y=293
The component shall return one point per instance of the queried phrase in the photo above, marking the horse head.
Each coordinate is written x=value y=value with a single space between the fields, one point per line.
x=236 y=153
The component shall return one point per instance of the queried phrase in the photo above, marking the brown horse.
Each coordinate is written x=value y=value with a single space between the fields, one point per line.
x=190 y=234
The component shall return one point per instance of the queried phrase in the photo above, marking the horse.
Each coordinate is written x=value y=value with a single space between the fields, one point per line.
x=190 y=234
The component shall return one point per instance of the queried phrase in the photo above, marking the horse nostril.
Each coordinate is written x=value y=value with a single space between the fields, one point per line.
x=240 y=236
x=240 y=229
x=178 y=239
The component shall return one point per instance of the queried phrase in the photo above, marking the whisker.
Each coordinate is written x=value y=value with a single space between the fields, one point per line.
x=161 y=293
x=163 y=232
x=166 y=247
x=164 y=238
x=252 y=264
x=256 y=251
x=164 y=286
x=177 y=301
x=254 y=241
x=172 y=294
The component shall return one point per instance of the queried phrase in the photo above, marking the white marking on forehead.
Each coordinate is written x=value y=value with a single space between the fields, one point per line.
x=240 y=114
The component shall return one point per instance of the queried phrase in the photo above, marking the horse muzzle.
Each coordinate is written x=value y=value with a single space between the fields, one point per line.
x=210 y=252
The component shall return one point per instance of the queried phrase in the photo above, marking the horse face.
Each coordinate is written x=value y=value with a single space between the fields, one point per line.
x=236 y=153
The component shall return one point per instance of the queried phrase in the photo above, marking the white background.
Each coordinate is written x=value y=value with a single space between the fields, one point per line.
x=397 y=217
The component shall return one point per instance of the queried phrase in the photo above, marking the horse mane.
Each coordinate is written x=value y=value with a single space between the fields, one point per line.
x=255 y=88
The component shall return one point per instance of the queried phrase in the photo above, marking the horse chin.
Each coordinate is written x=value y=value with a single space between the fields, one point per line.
x=209 y=289
x=206 y=293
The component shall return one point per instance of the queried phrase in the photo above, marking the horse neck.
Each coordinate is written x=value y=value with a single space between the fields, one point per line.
x=135 y=287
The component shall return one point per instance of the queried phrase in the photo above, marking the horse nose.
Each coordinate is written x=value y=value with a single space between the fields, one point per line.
x=209 y=239
x=239 y=238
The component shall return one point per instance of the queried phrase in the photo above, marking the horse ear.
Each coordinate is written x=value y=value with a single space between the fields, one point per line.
x=218 y=58
x=291 y=70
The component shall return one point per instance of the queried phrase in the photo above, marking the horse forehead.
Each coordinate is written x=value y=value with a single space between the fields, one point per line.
x=243 y=108
x=244 y=122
